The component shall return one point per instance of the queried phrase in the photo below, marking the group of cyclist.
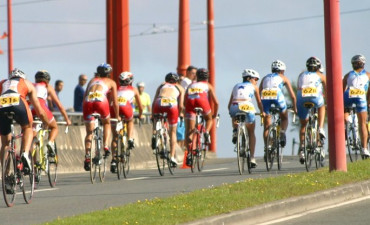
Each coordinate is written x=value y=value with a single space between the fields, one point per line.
x=310 y=89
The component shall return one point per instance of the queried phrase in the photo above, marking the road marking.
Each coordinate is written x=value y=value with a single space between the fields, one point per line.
x=215 y=169
x=138 y=178
x=48 y=189
x=314 y=211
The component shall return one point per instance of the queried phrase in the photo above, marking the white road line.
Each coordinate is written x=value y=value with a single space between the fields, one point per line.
x=314 y=211
x=138 y=178
x=215 y=169
x=48 y=189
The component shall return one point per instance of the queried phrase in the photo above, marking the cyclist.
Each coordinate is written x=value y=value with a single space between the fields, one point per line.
x=14 y=91
x=272 y=94
x=169 y=98
x=311 y=88
x=125 y=94
x=197 y=95
x=355 y=87
x=44 y=91
x=96 y=101
x=242 y=95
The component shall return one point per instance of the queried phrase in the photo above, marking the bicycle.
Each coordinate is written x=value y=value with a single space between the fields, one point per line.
x=243 y=153
x=44 y=161
x=123 y=152
x=273 y=146
x=98 y=161
x=353 y=141
x=14 y=173
x=160 y=138
x=313 y=147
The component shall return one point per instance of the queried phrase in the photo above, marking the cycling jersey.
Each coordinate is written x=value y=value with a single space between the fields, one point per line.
x=243 y=94
x=309 y=90
x=355 y=93
x=125 y=97
x=42 y=95
x=96 y=101
x=166 y=102
x=197 y=96
x=13 y=99
x=272 y=94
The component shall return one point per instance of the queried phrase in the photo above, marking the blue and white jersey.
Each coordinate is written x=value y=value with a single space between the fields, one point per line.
x=357 y=84
x=310 y=84
x=272 y=87
x=243 y=92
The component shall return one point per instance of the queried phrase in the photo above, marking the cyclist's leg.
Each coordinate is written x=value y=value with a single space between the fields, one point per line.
x=321 y=113
x=114 y=138
x=266 y=125
x=89 y=125
x=53 y=130
x=5 y=135
x=362 y=118
x=209 y=121
x=252 y=142
x=173 y=140
x=106 y=131
x=5 y=142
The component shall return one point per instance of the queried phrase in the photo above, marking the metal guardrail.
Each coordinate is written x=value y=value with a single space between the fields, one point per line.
x=77 y=118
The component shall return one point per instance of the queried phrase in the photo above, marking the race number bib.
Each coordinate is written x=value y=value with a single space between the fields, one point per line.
x=193 y=91
x=309 y=92
x=9 y=100
x=167 y=102
x=95 y=96
x=269 y=93
x=247 y=107
x=122 y=101
x=356 y=93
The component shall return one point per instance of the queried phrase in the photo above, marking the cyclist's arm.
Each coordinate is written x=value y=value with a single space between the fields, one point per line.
x=114 y=98
x=181 y=100
x=291 y=93
x=55 y=99
x=155 y=97
x=87 y=90
x=213 y=96
x=260 y=87
x=323 y=80
x=35 y=102
x=138 y=102
x=345 y=82
x=258 y=99
x=368 y=92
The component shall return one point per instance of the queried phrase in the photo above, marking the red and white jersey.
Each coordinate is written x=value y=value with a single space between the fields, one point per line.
x=41 y=90
x=198 y=90
x=125 y=94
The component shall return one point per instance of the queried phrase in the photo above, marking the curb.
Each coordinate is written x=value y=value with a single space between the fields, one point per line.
x=287 y=207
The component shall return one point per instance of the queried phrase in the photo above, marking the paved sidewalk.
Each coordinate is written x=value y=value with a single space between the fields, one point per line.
x=288 y=207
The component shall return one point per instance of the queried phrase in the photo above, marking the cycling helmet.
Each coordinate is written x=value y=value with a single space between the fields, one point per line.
x=126 y=78
x=172 y=78
x=358 y=58
x=277 y=66
x=42 y=75
x=313 y=64
x=17 y=73
x=250 y=73
x=104 y=69
x=140 y=84
x=202 y=74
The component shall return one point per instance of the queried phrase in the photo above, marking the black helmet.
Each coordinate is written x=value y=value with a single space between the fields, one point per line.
x=313 y=64
x=172 y=78
x=358 y=61
x=104 y=69
x=42 y=75
x=202 y=74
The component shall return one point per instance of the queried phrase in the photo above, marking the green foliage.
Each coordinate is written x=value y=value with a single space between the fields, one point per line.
x=229 y=197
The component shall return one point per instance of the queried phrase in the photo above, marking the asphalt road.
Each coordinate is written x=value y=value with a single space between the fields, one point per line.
x=74 y=194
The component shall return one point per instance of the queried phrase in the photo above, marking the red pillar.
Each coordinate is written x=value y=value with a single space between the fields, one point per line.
x=10 y=37
x=184 y=37
x=211 y=62
x=121 y=37
x=109 y=5
x=337 y=152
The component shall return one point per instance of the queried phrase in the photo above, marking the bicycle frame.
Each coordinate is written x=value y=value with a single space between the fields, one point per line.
x=198 y=146
x=352 y=134
x=242 y=144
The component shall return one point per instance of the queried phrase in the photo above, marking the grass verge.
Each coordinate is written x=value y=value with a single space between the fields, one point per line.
x=229 y=197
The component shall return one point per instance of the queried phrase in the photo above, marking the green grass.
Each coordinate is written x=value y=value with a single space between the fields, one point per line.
x=229 y=197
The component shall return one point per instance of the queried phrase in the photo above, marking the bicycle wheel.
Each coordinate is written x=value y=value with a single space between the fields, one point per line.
x=119 y=157
x=308 y=146
x=271 y=148
x=201 y=154
x=279 y=154
x=240 y=150
x=350 y=141
x=319 y=158
x=37 y=159
x=28 y=179
x=9 y=177
x=194 y=150
x=159 y=155
x=53 y=167
x=95 y=160
x=126 y=154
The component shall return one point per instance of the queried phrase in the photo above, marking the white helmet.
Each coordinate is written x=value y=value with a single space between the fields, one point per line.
x=126 y=77
x=17 y=73
x=278 y=65
x=251 y=73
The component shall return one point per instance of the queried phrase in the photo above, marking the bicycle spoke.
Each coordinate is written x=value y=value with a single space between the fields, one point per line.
x=9 y=177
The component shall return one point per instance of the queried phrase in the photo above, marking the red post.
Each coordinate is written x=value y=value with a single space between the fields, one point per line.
x=211 y=62
x=10 y=37
x=121 y=37
x=109 y=34
x=335 y=105
x=184 y=37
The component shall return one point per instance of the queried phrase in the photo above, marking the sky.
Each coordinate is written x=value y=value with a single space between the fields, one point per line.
x=67 y=38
